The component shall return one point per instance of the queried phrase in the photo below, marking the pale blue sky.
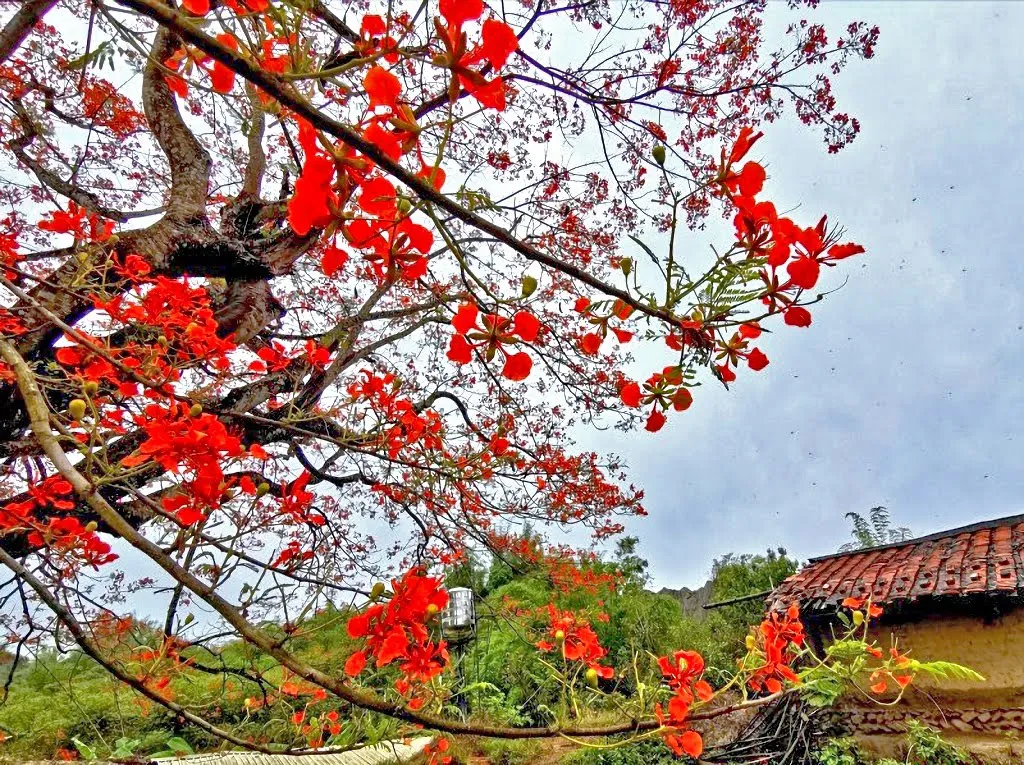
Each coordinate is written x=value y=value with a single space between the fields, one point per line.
x=907 y=390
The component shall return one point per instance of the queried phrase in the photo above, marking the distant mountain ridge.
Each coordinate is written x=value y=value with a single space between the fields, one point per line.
x=691 y=601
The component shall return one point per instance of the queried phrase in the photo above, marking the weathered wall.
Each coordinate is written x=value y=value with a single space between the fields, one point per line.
x=987 y=717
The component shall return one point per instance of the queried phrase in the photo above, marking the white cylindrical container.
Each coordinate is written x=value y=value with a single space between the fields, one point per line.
x=458 y=619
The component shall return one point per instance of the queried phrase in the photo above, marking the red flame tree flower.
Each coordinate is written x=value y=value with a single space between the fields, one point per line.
x=315 y=299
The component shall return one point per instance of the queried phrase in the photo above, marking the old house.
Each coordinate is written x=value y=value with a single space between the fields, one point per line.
x=956 y=595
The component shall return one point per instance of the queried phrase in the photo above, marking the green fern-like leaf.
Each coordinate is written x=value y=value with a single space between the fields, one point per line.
x=948 y=670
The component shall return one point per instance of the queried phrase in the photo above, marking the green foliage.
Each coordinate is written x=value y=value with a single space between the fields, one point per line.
x=176 y=747
x=926 y=747
x=734 y=576
x=510 y=752
x=649 y=752
x=875 y=530
x=947 y=670
x=839 y=751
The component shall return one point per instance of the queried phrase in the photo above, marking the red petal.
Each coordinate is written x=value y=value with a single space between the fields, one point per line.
x=355 y=664
x=803 y=272
x=465 y=318
x=393 y=647
x=840 y=251
x=517 y=366
x=491 y=94
x=382 y=87
x=222 y=78
x=630 y=394
x=795 y=316
x=744 y=141
x=750 y=330
x=655 y=421
x=459 y=350
x=590 y=343
x=458 y=12
x=751 y=179
x=358 y=626
x=197 y=7
x=526 y=325
x=691 y=743
x=334 y=260
x=498 y=42
x=372 y=26
x=757 y=360
x=378 y=197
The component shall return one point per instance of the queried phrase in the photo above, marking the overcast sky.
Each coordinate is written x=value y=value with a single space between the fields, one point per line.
x=907 y=390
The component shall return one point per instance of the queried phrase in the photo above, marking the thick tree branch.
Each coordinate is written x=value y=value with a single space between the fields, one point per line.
x=17 y=29
x=171 y=19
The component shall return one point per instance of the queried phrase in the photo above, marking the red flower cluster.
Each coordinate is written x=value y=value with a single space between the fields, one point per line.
x=82 y=225
x=182 y=314
x=64 y=535
x=764 y=234
x=590 y=343
x=397 y=631
x=490 y=334
x=180 y=439
x=683 y=672
x=781 y=636
x=662 y=390
x=498 y=42
x=222 y=78
x=577 y=641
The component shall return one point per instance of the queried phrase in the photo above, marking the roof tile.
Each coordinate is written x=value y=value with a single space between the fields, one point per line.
x=983 y=558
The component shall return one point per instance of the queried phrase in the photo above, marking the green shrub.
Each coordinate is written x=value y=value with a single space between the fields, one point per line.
x=839 y=751
x=650 y=752
x=926 y=747
x=508 y=752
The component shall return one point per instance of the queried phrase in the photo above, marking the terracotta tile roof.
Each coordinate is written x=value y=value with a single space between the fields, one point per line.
x=985 y=557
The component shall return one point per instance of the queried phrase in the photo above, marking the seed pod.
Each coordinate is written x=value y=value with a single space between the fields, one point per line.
x=76 y=409
x=659 y=154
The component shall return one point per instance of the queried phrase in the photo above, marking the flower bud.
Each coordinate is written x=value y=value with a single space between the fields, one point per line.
x=592 y=677
x=91 y=526
x=626 y=264
x=751 y=642
x=560 y=636
x=262 y=490
x=196 y=410
x=432 y=609
x=858 y=618
x=659 y=154
x=76 y=409
x=404 y=205
x=92 y=388
x=529 y=285
x=162 y=341
x=377 y=590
